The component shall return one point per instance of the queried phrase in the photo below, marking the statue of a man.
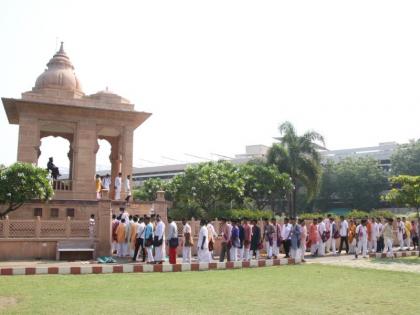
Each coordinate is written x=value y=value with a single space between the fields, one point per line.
x=55 y=173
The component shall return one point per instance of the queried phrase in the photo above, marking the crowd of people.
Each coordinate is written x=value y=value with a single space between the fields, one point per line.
x=144 y=238
x=103 y=184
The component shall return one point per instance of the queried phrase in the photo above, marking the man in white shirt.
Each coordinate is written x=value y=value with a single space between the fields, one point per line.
x=344 y=232
x=286 y=236
x=362 y=238
x=187 y=242
x=140 y=240
x=212 y=238
x=373 y=236
x=117 y=186
x=160 y=249
x=127 y=189
x=328 y=243
x=400 y=233
x=172 y=240
x=333 y=229
x=106 y=182
x=203 y=243
x=322 y=237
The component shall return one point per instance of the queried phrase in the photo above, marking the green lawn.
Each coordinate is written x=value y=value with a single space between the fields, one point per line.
x=412 y=260
x=300 y=289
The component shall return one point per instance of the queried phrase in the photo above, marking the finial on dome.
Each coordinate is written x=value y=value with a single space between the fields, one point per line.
x=61 y=51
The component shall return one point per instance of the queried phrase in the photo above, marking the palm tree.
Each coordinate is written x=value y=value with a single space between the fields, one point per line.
x=299 y=157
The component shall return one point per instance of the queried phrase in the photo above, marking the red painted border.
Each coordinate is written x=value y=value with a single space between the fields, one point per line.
x=53 y=270
x=30 y=271
x=75 y=270
x=117 y=269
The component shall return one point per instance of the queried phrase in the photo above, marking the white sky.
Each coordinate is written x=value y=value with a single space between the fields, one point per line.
x=218 y=75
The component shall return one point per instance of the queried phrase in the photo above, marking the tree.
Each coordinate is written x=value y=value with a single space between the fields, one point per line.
x=406 y=159
x=206 y=185
x=328 y=186
x=299 y=157
x=359 y=182
x=264 y=183
x=20 y=183
x=405 y=192
x=147 y=191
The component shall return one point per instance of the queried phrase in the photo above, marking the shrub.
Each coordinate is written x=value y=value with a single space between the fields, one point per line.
x=311 y=216
x=241 y=213
x=357 y=214
x=383 y=213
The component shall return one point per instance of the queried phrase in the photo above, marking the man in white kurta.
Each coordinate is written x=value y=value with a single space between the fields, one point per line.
x=160 y=251
x=203 y=243
x=117 y=186
x=400 y=232
x=373 y=236
x=321 y=231
x=362 y=238
x=212 y=237
x=187 y=242
x=127 y=188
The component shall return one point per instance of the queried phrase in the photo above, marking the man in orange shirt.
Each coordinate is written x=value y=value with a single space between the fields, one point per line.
x=121 y=238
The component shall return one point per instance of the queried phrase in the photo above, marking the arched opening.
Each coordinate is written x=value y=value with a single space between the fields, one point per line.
x=59 y=149
x=103 y=163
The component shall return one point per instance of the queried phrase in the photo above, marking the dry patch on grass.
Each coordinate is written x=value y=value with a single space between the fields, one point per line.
x=6 y=302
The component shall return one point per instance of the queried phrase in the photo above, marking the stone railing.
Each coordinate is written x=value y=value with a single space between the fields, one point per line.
x=37 y=228
x=62 y=184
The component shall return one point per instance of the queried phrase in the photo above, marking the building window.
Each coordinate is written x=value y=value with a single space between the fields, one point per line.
x=54 y=213
x=70 y=212
x=38 y=212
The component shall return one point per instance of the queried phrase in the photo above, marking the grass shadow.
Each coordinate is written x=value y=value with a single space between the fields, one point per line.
x=403 y=260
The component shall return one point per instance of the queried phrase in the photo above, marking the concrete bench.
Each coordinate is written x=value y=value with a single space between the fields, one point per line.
x=75 y=246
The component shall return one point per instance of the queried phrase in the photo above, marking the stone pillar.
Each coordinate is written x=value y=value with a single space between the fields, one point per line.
x=115 y=164
x=161 y=205
x=84 y=161
x=29 y=140
x=127 y=157
x=70 y=156
x=104 y=229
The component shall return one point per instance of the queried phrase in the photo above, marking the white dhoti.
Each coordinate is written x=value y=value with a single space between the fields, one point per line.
x=407 y=242
x=327 y=246
x=233 y=253
x=321 y=248
x=332 y=242
x=160 y=254
x=352 y=247
x=314 y=247
x=401 y=240
x=269 y=249
x=388 y=247
x=149 y=251
x=241 y=253
x=295 y=253
x=276 y=249
x=118 y=194
x=186 y=254
x=362 y=247
x=203 y=255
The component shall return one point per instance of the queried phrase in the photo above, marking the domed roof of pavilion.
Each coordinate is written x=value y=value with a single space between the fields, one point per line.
x=59 y=75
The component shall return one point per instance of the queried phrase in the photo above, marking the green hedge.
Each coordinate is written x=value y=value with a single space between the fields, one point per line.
x=355 y=213
x=178 y=214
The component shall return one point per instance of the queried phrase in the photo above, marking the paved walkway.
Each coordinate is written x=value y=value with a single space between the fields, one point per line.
x=351 y=261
